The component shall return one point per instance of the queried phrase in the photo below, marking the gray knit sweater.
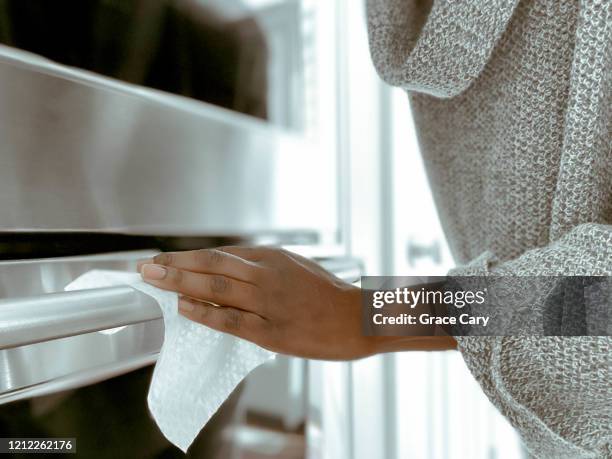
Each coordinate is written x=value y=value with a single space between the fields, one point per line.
x=512 y=100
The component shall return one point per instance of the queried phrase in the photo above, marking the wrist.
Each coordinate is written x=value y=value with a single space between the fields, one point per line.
x=358 y=345
x=364 y=346
x=424 y=337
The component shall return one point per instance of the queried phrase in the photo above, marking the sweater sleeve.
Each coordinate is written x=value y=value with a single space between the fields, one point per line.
x=536 y=381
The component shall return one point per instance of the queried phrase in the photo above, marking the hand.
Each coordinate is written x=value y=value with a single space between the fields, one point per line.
x=272 y=297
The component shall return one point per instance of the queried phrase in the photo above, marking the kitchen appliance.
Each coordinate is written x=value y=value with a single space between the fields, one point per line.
x=95 y=173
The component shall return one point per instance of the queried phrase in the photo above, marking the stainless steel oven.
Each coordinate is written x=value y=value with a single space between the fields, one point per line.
x=97 y=173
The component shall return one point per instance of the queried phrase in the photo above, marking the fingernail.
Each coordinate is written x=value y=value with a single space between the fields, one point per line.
x=154 y=272
x=141 y=263
x=186 y=306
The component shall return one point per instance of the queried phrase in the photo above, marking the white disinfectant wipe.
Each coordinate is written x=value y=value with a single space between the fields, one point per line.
x=197 y=368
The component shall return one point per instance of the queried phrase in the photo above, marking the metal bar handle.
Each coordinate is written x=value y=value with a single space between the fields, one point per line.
x=52 y=316
x=58 y=315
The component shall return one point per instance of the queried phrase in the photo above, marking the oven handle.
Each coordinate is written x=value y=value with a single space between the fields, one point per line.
x=52 y=316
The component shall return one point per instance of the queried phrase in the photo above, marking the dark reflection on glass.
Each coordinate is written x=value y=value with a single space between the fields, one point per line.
x=213 y=51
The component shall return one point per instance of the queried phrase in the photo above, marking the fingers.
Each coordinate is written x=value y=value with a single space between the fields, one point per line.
x=210 y=261
x=207 y=287
x=224 y=319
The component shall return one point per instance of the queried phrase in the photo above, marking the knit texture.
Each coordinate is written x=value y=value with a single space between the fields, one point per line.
x=512 y=101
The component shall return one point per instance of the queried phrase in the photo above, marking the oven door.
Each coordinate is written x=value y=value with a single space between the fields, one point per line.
x=90 y=165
